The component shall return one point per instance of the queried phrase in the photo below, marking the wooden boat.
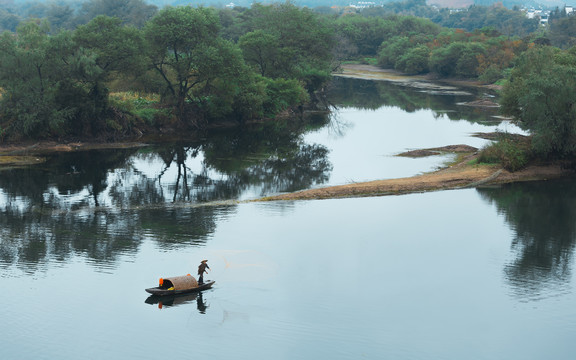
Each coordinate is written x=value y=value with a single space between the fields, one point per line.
x=179 y=285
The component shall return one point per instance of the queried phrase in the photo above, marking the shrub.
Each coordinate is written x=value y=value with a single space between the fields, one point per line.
x=512 y=152
x=415 y=61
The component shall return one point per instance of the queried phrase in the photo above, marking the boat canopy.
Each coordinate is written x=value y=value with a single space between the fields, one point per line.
x=180 y=282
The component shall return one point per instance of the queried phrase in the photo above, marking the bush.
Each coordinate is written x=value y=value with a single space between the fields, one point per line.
x=282 y=94
x=415 y=61
x=513 y=153
x=492 y=74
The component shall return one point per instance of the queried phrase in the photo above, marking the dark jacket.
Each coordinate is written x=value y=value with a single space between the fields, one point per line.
x=202 y=268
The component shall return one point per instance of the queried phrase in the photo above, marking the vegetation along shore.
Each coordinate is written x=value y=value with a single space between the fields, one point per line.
x=96 y=73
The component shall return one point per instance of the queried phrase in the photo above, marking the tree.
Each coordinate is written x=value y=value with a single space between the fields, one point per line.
x=541 y=95
x=118 y=48
x=563 y=32
x=366 y=33
x=134 y=12
x=289 y=42
x=261 y=49
x=392 y=49
x=195 y=63
x=52 y=85
x=415 y=61
x=8 y=20
x=60 y=16
x=32 y=67
x=456 y=59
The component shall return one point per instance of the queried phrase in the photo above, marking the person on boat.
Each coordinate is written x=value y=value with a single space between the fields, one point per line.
x=201 y=270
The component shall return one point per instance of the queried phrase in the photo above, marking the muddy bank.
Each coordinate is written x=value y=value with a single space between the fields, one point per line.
x=426 y=82
x=465 y=174
x=466 y=149
x=24 y=154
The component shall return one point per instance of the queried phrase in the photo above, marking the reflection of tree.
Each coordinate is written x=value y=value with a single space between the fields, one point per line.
x=178 y=155
x=271 y=158
x=99 y=205
x=543 y=216
x=34 y=239
x=49 y=185
x=369 y=94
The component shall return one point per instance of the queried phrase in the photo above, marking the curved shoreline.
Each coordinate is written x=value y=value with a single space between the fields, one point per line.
x=459 y=176
x=465 y=174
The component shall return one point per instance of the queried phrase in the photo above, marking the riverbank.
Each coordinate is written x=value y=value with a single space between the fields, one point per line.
x=465 y=174
x=24 y=154
x=425 y=82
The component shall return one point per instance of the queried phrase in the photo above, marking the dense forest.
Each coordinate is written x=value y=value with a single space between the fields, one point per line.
x=116 y=69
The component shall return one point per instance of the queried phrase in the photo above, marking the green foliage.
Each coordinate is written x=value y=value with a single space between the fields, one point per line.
x=562 y=32
x=491 y=75
x=133 y=12
x=282 y=94
x=8 y=20
x=541 y=96
x=372 y=34
x=55 y=84
x=508 y=22
x=414 y=61
x=274 y=57
x=456 y=59
x=392 y=49
x=118 y=48
x=288 y=42
x=186 y=51
x=32 y=66
x=513 y=153
x=261 y=50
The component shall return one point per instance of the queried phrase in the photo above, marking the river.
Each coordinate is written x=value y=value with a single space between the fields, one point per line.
x=464 y=274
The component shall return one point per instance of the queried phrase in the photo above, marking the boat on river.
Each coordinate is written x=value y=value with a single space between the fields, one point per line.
x=179 y=285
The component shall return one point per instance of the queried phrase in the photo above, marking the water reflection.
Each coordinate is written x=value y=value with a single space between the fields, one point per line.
x=31 y=241
x=176 y=300
x=369 y=94
x=102 y=204
x=543 y=218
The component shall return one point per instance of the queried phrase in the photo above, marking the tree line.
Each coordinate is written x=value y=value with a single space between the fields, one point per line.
x=57 y=84
x=188 y=67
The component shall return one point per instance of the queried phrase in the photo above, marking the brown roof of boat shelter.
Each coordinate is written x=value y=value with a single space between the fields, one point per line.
x=181 y=282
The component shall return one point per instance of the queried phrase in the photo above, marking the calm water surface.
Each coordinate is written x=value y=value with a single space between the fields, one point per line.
x=468 y=274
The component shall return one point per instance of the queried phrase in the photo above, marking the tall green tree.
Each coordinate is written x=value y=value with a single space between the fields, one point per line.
x=33 y=65
x=288 y=42
x=118 y=48
x=541 y=95
x=195 y=63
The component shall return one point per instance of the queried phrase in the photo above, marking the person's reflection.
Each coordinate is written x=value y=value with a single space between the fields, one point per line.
x=200 y=304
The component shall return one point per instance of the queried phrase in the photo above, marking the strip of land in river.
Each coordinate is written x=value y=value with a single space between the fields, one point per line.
x=465 y=174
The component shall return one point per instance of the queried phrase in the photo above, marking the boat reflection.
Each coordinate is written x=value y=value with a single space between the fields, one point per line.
x=176 y=300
